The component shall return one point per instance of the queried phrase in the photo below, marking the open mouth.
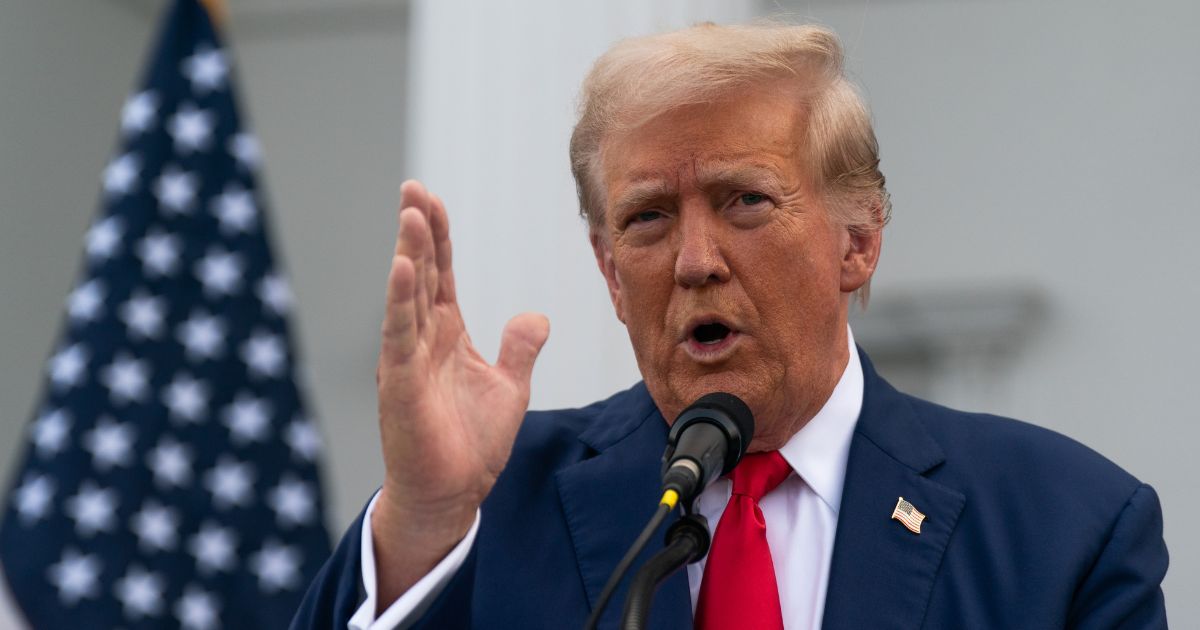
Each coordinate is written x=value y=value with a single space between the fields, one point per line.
x=711 y=334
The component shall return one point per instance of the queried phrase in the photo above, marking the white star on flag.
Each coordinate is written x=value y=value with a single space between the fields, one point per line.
x=220 y=272
x=293 y=502
x=244 y=148
x=247 y=418
x=67 y=365
x=264 y=354
x=156 y=527
x=276 y=566
x=202 y=335
x=213 y=547
x=144 y=315
x=230 y=482
x=33 y=497
x=206 y=69
x=103 y=238
x=50 y=431
x=176 y=190
x=83 y=305
x=275 y=293
x=191 y=129
x=126 y=378
x=121 y=175
x=75 y=576
x=140 y=592
x=93 y=509
x=138 y=113
x=235 y=210
x=110 y=443
x=197 y=609
x=303 y=439
x=186 y=398
x=159 y=252
x=171 y=463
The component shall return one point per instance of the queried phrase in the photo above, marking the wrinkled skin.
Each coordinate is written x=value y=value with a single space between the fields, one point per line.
x=710 y=218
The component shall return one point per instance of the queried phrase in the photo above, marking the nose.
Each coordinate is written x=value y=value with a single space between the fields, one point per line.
x=699 y=260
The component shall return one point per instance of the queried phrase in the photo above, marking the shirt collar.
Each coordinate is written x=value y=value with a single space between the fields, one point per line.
x=818 y=452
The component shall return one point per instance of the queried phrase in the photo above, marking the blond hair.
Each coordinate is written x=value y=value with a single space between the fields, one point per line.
x=639 y=78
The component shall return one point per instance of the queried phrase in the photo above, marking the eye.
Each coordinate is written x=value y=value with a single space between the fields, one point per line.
x=646 y=216
x=748 y=209
x=751 y=198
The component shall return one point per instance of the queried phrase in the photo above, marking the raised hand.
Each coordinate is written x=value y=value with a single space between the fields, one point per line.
x=446 y=416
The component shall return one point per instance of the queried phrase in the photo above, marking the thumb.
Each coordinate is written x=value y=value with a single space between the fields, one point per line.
x=522 y=340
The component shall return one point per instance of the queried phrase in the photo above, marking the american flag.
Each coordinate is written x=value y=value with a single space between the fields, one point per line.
x=170 y=478
x=908 y=515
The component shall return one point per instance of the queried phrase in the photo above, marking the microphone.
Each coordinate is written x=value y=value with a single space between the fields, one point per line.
x=707 y=440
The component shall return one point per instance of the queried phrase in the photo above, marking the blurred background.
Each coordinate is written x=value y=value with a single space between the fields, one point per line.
x=1039 y=263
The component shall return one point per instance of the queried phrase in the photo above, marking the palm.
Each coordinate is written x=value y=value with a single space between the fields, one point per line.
x=447 y=417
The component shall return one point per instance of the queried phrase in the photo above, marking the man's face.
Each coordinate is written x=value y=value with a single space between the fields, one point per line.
x=726 y=269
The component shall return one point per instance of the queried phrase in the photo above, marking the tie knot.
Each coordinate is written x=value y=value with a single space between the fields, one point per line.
x=759 y=473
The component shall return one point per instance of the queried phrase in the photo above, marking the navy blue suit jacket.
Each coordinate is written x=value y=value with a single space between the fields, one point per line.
x=1025 y=528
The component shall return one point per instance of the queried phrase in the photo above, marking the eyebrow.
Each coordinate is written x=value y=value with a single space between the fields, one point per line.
x=648 y=188
x=751 y=176
x=643 y=192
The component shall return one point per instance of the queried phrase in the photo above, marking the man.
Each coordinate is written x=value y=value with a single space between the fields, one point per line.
x=729 y=177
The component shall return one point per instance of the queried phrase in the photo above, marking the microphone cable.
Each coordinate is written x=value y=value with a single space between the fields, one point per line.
x=669 y=500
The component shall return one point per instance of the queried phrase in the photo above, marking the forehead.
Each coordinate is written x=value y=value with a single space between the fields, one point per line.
x=753 y=131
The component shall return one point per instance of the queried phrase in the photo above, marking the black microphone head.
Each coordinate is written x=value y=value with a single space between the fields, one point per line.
x=727 y=412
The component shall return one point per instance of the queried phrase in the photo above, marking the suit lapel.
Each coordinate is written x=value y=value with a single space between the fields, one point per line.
x=881 y=574
x=607 y=500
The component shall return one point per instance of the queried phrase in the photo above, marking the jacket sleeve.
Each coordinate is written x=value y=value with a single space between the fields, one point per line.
x=1123 y=589
x=336 y=592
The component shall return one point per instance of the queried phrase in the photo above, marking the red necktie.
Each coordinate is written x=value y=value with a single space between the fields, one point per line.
x=739 y=589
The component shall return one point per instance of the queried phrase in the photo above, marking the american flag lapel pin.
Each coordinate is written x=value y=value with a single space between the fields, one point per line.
x=908 y=515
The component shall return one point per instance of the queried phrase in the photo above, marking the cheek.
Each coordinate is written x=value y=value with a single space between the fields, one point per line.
x=643 y=271
x=645 y=283
x=795 y=285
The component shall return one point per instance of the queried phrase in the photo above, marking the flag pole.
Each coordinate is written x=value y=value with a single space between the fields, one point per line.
x=218 y=12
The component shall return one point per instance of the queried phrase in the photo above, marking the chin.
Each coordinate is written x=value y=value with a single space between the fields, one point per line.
x=765 y=439
x=686 y=391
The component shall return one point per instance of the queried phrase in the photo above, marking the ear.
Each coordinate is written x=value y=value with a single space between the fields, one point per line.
x=860 y=254
x=604 y=260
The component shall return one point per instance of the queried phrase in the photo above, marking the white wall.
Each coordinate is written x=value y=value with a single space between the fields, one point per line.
x=1046 y=146
x=1052 y=146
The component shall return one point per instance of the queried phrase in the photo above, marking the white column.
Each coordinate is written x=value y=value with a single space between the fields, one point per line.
x=491 y=104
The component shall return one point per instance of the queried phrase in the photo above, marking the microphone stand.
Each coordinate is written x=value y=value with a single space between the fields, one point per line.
x=687 y=541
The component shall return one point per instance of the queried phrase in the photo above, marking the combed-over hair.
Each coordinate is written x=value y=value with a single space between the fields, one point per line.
x=640 y=78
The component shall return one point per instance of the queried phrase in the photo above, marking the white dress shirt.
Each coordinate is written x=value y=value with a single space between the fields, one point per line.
x=801 y=516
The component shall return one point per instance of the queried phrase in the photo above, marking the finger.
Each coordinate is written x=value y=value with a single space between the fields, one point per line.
x=415 y=244
x=413 y=194
x=400 y=318
x=430 y=269
x=522 y=340
x=439 y=223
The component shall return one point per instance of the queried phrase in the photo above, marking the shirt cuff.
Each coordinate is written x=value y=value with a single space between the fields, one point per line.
x=409 y=607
